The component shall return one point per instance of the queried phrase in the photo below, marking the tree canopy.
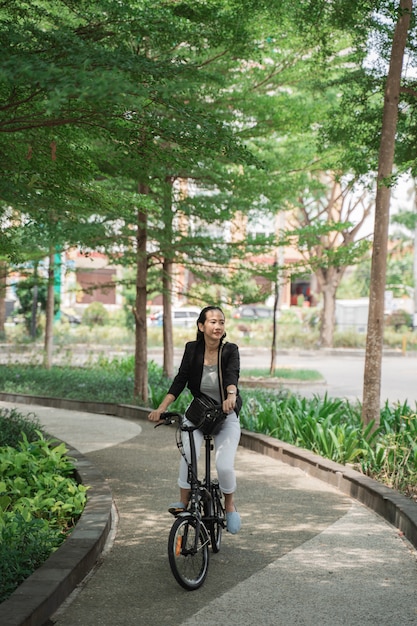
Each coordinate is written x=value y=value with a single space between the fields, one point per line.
x=107 y=108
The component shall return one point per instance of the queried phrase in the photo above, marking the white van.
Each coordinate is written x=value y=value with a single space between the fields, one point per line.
x=185 y=317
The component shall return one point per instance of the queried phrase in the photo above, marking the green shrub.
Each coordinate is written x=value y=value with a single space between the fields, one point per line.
x=326 y=426
x=349 y=339
x=404 y=339
x=24 y=546
x=107 y=380
x=96 y=383
x=40 y=502
x=95 y=314
x=25 y=290
x=333 y=428
x=13 y=424
x=399 y=319
x=393 y=458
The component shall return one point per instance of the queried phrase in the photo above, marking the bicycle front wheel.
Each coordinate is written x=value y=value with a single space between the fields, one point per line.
x=188 y=552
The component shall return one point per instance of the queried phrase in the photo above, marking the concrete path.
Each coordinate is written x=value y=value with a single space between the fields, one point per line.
x=306 y=554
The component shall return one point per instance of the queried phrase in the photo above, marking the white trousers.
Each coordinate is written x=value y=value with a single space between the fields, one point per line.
x=225 y=445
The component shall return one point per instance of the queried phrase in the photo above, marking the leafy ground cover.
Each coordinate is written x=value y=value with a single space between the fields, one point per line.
x=40 y=500
x=102 y=382
x=333 y=428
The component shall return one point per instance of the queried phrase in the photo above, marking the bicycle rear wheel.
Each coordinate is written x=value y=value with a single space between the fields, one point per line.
x=216 y=513
x=188 y=553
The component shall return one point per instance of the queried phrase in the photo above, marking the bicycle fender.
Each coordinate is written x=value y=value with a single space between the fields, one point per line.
x=184 y=514
x=187 y=514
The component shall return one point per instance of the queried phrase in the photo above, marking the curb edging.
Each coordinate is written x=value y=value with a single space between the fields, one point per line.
x=396 y=509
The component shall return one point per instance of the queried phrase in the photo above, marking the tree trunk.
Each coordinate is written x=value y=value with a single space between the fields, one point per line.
x=34 y=313
x=328 y=281
x=167 y=269
x=280 y=281
x=50 y=300
x=167 y=330
x=375 y=333
x=415 y=263
x=3 y=282
x=274 y=324
x=328 y=316
x=141 y=351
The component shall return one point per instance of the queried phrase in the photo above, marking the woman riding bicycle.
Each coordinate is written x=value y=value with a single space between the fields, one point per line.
x=199 y=371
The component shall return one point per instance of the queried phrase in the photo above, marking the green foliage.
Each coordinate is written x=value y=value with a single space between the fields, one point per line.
x=13 y=424
x=39 y=504
x=393 y=458
x=24 y=546
x=400 y=273
x=407 y=219
x=329 y=427
x=95 y=314
x=333 y=428
x=404 y=339
x=97 y=382
x=349 y=339
x=25 y=291
x=356 y=283
x=285 y=373
x=399 y=320
x=37 y=476
x=71 y=74
x=108 y=380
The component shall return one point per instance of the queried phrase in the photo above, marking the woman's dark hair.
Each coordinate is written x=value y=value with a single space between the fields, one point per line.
x=202 y=318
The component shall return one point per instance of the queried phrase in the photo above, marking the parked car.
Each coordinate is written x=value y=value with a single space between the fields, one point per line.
x=253 y=312
x=185 y=317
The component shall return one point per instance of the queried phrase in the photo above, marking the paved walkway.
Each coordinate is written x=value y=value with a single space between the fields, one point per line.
x=306 y=555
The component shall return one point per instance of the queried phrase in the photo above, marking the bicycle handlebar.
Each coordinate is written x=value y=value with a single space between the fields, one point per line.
x=169 y=417
x=172 y=417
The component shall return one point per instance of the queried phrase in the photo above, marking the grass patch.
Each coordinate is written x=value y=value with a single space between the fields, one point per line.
x=285 y=373
x=105 y=381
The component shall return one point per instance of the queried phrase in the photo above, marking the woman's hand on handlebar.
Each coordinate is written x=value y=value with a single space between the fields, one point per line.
x=229 y=404
x=155 y=415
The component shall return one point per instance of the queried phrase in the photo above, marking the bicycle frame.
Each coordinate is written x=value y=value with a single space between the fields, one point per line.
x=197 y=487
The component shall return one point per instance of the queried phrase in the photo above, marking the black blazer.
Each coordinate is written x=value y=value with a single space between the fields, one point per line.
x=191 y=370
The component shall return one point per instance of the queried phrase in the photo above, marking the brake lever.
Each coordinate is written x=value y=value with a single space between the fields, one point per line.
x=165 y=422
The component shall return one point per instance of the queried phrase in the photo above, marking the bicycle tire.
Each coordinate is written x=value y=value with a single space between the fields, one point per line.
x=214 y=516
x=217 y=515
x=188 y=559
